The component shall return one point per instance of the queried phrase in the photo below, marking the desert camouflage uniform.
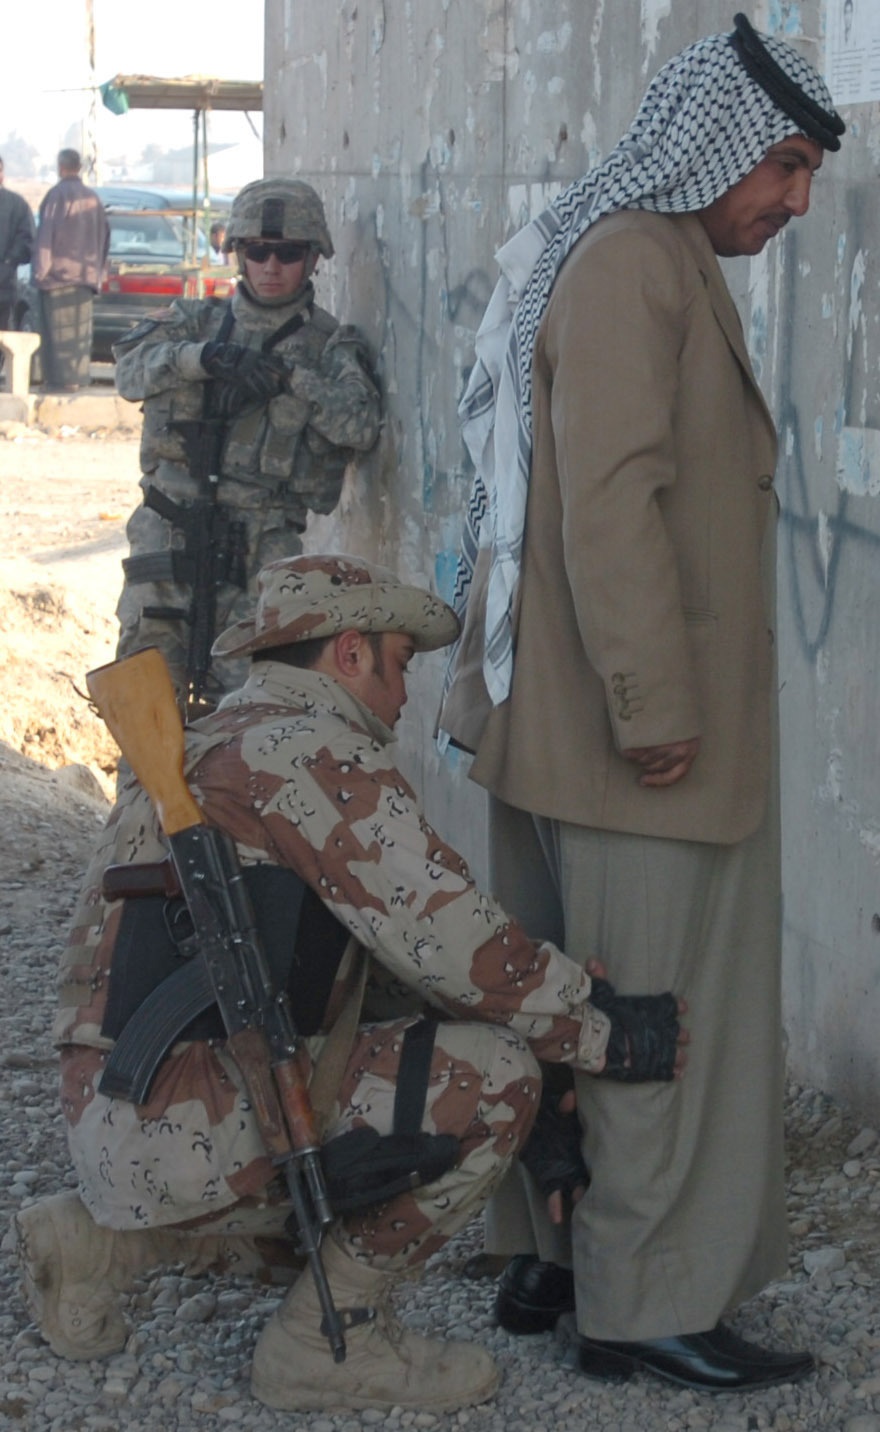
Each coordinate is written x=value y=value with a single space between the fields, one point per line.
x=279 y=461
x=297 y=770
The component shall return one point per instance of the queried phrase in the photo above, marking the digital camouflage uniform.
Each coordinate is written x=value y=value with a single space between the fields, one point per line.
x=299 y=772
x=279 y=461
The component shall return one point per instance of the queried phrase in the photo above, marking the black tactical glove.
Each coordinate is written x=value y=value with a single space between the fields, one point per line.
x=243 y=375
x=552 y=1152
x=643 y=1041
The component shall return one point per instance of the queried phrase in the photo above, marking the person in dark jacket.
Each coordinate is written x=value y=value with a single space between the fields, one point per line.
x=73 y=237
x=16 y=247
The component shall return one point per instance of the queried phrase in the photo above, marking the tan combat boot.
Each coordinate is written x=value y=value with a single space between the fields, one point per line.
x=385 y=1365
x=73 y=1270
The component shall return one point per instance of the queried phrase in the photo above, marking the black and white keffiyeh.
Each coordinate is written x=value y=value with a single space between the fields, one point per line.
x=706 y=120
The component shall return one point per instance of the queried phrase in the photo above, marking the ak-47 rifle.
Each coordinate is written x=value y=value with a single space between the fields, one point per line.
x=136 y=698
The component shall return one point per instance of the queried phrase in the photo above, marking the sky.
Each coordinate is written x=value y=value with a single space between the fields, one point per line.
x=46 y=85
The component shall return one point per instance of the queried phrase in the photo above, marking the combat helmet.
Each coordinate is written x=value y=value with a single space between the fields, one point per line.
x=279 y=209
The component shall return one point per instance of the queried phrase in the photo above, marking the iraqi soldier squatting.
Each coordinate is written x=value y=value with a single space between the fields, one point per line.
x=296 y=767
x=252 y=410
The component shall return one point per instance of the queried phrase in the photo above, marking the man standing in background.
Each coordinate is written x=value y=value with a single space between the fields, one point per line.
x=217 y=236
x=73 y=237
x=16 y=247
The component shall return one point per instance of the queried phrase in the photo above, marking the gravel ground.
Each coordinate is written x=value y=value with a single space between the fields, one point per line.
x=187 y=1361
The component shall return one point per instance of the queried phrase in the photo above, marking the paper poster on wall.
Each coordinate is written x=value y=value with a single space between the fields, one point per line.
x=852 y=50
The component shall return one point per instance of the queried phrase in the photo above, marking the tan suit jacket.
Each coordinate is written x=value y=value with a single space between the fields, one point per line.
x=643 y=614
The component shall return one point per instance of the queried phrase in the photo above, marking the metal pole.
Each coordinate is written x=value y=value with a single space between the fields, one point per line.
x=90 y=146
x=206 y=196
x=193 y=241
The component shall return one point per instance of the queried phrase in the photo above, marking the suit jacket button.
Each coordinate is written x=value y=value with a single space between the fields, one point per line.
x=765 y=483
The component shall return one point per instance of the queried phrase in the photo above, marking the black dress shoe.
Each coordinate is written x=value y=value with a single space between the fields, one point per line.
x=715 y=1361
x=532 y=1295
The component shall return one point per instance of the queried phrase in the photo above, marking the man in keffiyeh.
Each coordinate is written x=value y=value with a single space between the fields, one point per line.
x=624 y=511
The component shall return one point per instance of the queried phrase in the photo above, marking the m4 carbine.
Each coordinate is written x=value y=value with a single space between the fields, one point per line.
x=214 y=552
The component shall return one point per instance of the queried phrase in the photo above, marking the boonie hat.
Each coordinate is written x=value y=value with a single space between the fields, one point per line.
x=301 y=598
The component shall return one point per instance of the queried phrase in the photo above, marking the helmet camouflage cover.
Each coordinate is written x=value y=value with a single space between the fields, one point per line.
x=279 y=209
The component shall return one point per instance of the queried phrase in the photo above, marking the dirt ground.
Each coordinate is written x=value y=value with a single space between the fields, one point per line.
x=64 y=501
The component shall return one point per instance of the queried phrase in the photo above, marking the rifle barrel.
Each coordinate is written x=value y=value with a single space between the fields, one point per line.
x=310 y=1243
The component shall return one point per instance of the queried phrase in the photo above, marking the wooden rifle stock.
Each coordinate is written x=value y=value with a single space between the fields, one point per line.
x=136 y=699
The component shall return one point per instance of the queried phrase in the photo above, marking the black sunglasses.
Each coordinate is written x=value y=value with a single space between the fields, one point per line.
x=289 y=252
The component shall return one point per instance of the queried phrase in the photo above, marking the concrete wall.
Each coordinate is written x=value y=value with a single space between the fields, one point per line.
x=433 y=128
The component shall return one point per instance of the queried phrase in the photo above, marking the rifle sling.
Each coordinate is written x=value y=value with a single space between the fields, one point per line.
x=411 y=1091
x=293 y=325
x=329 y=1066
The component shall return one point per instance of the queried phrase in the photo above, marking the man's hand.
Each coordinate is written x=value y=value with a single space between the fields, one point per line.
x=646 y=1038
x=243 y=375
x=664 y=765
x=559 y=1203
x=552 y=1152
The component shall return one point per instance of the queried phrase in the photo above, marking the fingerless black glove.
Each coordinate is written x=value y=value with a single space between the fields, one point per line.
x=552 y=1152
x=643 y=1041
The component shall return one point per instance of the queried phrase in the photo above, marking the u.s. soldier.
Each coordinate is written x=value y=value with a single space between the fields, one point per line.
x=269 y=395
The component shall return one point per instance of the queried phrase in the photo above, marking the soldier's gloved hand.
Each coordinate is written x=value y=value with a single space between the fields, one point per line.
x=644 y=1038
x=552 y=1151
x=255 y=376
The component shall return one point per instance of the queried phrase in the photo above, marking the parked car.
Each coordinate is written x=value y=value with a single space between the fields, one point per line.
x=150 y=261
x=128 y=196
